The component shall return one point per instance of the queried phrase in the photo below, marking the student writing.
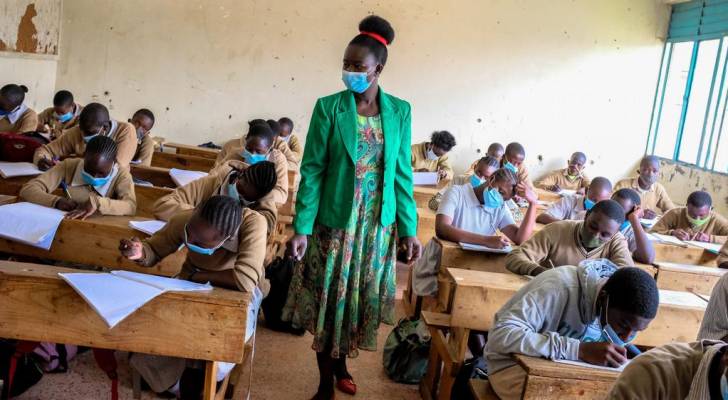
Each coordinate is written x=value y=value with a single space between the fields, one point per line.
x=697 y=221
x=63 y=115
x=570 y=178
x=574 y=207
x=290 y=138
x=655 y=200
x=432 y=156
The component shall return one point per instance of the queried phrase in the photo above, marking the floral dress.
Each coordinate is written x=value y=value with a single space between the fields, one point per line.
x=345 y=285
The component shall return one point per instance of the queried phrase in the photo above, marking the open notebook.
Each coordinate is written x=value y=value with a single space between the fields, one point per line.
x=484 y=249
x=587 y=365
x=182 y=176
x=13 y=169
x=30 y=224
x=116 y=295
x=424 y=178
x=149 y=227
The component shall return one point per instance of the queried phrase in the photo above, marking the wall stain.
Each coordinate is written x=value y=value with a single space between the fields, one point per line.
x=27 y=33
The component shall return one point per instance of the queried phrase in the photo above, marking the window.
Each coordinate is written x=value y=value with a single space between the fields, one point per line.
x=688 y=121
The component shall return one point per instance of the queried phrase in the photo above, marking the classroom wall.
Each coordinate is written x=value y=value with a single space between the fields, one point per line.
x=559 y=75
x=681 y=179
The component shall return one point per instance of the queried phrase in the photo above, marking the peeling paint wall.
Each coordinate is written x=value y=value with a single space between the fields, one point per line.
x=558 y=76
x=681 y=179
x=30 y=26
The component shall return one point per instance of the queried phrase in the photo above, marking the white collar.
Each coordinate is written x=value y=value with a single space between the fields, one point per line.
x=114 y=128
x=15 y=115
x=101 y=190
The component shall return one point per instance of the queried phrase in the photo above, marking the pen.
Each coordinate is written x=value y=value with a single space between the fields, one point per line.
x=64 y=186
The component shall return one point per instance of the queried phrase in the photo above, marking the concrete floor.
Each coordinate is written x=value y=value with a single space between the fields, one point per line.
x=284 y=368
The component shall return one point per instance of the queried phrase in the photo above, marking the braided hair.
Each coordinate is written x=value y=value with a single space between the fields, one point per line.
x=261 y=175
x=505 y=175
x=103 y=146
x=221 y=212
x=375 y=34
x=489 y=161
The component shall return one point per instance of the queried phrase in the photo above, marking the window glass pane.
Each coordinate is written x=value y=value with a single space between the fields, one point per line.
x=716 y=111
x=721 y=155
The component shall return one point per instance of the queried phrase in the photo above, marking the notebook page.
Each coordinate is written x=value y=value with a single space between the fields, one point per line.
x=13 y=169
x=149 y=227
x=182 y=177
x=30 y=224
x=485 y=249
x=163 y=283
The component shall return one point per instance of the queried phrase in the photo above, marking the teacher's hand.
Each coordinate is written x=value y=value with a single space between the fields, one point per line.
x=412 y=247
x=296 y=247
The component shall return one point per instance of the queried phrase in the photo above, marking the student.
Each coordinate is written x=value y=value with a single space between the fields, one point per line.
x=234 y=145
x=15 y=116
x=654 y=197
x=63 y=115
x=93 y=184
x=563 y=314
x=691 y=371
x=432 y=156
x=570 y=178
x=639 y=243
x=94 y=121
x=475 y=214
x=496 y=150
x=143 y=121
x=715 y=321
x=257 y=148
x=279 y=144
x=570 y=242
x=226 y=246
x=480 y=172
x=287 y=136
x=575 y=207
x=722 y=261
x=513 y=159
x=249 y=184
x=696 y=222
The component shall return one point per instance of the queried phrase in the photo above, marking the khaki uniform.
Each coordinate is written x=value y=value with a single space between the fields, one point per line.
x=145 y=150
x=47 y=117
x=294 y=161
x=420 y=161
x=237 y=146
x=655 y=199
x=561 y=177
x=723 y=256
x=280 y=191
x=71 y=143
x=115 y=198
x=28 y=122
x=295 y=145
x=558 y=244
x=677 y=218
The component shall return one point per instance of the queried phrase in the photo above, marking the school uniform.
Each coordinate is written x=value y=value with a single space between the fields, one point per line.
x=196 y=192
x=420 y=161
x=238 y=145
x=655 y=198
x=715 y=320
x=71 y=143
x=671 y=371
x=548 y=317
x=280 y=191
x=117 y=197
x=723 y=255
x=469 y=214
x=295 y=145
x=145 y=150
x=561 y=177
x=293 y=159
x=558 y=244
x=568 y=208
x=23 y=119
x=522 y=174
x=48 y=117
x=677 y=218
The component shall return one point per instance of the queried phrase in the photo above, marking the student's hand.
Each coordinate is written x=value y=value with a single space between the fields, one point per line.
x=83 y=211
x=496 y=242
x=65 y=204
x=581 y=191
x=131 y=249
x=555 y=188
x=296 y=247
x=45 y=164
x=636 y=215
x=43 y=128
x=701 y=237
x=649 y=214
x=412 y=246
x=441 y=174
x=681 y=234
x=525 y=191
x=602 y=353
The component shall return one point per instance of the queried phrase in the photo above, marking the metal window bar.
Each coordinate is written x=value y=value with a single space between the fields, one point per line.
x=715 y=112
x=686 y=101
x=662 y=99
x=657 y=91
x=709 y=103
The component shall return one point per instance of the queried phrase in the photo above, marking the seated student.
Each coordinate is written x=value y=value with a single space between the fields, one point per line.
x=432 y=156
x=715 y=321
x=287 y=136
x=279 y=144
x=94 y=121
x=513 y=159
x=495 y=150
x=575 y=207
x=92 y=184
x=675 y=371
x=257 y=148
x=570 y=178
x=570 y=242
x=249 y=184
x=722 y=261
x=143 y=121
x=654 y=197
x=15 y=116
x=482 y=170
x=696 y=222
x=63 y=115
x=639 y=244
x=563 y=314
x=226 y=244
x=475 y=214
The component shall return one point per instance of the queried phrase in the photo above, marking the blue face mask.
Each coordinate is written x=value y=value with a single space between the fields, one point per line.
x=475 y=181
x=252 y=159
x=201 y=250
x=492 y=199
x=97 y=182
x=510 y=167
x=588 y=204
x=624 y=226
x=724 y=386
x=65 y=117
x=88 y=138
x=3 y=113
x=357 y=82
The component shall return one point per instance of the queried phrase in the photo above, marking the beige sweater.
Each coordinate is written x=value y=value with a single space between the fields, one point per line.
x=71 y=143
x=655 y=199
x=723 y=256
x=677 y=218
x=558 y=244
x=559 y=177
x=145 y=150
x=296 y=147
x=118 y=199
x=237 y=146
x=420 y=161
x=28 y=122
x=47 y=117
x=280 y=191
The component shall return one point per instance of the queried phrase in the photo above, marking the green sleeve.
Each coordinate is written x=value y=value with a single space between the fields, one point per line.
x=406 y=206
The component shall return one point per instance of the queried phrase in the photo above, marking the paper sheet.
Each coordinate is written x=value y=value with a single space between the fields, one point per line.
x=685 y=299
x=163 y=283
x=567 y=192
x=711 y=247
x=648 y=223
x=476 y=247
x=13 y=169
x=424 y=178
x=30 y=224
x=182 y=176
x=148 y=227
x=587 y=365
x=667 y=239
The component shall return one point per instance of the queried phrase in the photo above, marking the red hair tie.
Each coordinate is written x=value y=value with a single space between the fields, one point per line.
x=375 y=36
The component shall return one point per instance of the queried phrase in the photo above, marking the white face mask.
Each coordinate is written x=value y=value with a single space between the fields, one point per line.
x=431 y=155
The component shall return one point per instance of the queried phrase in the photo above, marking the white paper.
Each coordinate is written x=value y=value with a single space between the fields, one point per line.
x=149 y=227
x=667 y=239
x=30 y=224
x=587 y=365
x=711 y=247
x=135 y=162
x=567 y=192
x=163 y=283
x=685 y=299
x=182 y=176
x=424 y=178
x=13 y=169
x=649 y=223
x=485 y=249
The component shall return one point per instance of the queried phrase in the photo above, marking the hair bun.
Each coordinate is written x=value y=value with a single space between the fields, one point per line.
x=23 y=88
x=378 y=25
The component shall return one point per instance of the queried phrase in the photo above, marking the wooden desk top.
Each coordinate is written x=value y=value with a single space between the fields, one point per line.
x=690 y=269
x=547 y=368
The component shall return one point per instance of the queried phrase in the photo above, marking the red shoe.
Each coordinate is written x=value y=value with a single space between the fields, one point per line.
x=346 y=385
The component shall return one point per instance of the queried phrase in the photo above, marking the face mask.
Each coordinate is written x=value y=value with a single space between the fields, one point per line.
x=252 y=159
x=649 y=180
x=588 y=204
x=285 y=138
x=510 y=167
x=65 y=117
x=724 y=386
x=90 y=180
x=201 y=250
x=697 y=223
x=492 y=199
x=624 y=226
x=355 y=81
x=589 y=241
x=431 y=155
x=232 y=190
x=3 y=113
x=140 y=133
x=475 y=181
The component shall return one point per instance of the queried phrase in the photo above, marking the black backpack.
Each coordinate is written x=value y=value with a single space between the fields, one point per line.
x=279 y=273
x=25 y=367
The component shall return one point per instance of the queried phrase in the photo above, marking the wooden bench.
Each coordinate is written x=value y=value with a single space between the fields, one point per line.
x=207 y=326
x=190 y=150
x=551 y=380
x=481 y=390
x=688 y=278
x=690 y=255
x=182 y=161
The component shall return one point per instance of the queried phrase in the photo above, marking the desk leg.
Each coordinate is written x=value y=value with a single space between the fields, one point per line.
x=210 y=380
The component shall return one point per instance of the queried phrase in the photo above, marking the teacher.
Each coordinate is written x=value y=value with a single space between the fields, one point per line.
x=356 y=182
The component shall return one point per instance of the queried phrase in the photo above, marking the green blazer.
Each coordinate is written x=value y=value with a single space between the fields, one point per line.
x=326 y=190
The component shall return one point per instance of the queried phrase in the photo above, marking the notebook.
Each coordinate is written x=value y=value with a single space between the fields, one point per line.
x=182 y=177
x=149 y=227
x=667 y=239
x=711 y=247
x=424 y=178
x=484 y=249
x=567 y=192
x=30 y=224
x=13 y=169
x=118 y=294
x=649 y=223
x=587 y=365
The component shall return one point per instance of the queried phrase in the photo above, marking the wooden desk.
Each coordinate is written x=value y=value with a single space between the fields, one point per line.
x=550 y=380
x=157 y=176
x=12 y=186
x=182 y=161
x=146 y=197
x=684 y=255
x=423 y=194
x=190 y=150
x=688 y=278
x=5 y=199
x=546 y=195
x=206 y=326
x=425 y=224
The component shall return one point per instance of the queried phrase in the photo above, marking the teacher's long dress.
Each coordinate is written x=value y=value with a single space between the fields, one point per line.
x=345 y=285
